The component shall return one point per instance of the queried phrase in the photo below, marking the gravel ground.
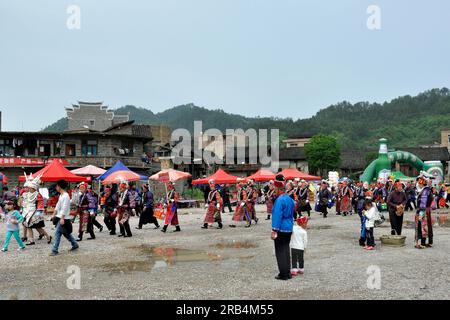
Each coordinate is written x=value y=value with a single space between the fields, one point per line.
x=228 y=264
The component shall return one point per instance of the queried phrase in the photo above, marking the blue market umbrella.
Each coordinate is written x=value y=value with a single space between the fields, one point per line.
x=118 y=166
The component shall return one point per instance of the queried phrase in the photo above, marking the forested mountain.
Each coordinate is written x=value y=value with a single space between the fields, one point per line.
x=405 y=121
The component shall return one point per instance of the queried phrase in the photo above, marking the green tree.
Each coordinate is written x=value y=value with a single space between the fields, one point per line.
x=282 y=136
x=323 y=154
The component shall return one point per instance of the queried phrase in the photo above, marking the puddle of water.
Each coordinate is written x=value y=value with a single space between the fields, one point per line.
x=235 y=245
x=173 y=255
x=159 y=258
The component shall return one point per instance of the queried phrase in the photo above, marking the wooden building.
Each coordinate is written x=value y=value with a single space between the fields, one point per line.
x=29 y=151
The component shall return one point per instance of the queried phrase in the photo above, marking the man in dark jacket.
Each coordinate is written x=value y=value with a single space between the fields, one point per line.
x=147 y=208
x=109 y=214
x=225 y=193
x=324 y=196
x=396 y=202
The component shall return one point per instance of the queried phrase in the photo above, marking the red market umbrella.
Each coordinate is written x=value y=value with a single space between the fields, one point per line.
x=170 y=175
x=292 y=173
x=121 y=176
x=262 y=175
x=55 y=171
x=219 y=177
x=89 y=170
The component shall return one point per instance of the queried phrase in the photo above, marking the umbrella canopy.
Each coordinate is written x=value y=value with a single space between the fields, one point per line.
x=89 y=170
x=55 y=171
x=292 y=173
x=262 y=175
x=121 y=176
x=119 y=166
x=143 y=176
x=173 y=175
x=219 y=177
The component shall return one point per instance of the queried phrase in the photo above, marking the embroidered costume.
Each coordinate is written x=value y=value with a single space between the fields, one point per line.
x=171 y=209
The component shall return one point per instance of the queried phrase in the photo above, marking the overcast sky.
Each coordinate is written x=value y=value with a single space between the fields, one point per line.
x=251 y=57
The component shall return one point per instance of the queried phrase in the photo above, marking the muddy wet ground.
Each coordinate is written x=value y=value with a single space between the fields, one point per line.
x=228 y=264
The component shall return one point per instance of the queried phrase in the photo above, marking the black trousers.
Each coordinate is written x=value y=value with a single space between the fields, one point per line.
x=147 y=217
x=297 y=258
x=370 y=237
x=228 y=205
x=396 y=222
x=110 y=223
x=96 y=223
x=125 y=229
x=324 y=210
x=283 y=254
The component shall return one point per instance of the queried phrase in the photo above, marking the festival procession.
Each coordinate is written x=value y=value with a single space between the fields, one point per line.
x=57 y=208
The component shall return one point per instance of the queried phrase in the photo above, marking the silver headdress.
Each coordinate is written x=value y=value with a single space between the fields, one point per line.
x=32 y=182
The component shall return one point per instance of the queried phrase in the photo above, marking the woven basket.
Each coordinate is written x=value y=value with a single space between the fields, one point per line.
x=390 y=240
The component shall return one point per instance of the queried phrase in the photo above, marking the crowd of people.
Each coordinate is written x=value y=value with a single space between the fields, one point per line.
x=25 y=210
x=287 y=200
x=288 y=204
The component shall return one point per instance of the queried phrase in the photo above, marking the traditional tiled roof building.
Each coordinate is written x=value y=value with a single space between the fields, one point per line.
x=92 y=115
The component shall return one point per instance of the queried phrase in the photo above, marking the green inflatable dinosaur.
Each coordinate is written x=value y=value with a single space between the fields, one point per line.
x=381 y=167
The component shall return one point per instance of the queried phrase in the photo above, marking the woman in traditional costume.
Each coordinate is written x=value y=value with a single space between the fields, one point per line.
x=135 y=200
x=241 y=213
x=124 y=210
x=338 y=198
x=381 y=194
x=86 y=211
x=346 y=195
x=423 y=221
x=171 y=205
x=270 y=199
x=252 y=197
x=32 y=204
x=213 y=205
x=303 y=198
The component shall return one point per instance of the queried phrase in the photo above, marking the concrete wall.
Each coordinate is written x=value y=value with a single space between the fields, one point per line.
x=161 y=134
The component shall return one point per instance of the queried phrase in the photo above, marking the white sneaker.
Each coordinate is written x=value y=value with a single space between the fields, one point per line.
x=21 y=249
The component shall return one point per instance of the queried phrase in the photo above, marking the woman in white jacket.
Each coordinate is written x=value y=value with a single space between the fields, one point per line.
x=371 y=214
